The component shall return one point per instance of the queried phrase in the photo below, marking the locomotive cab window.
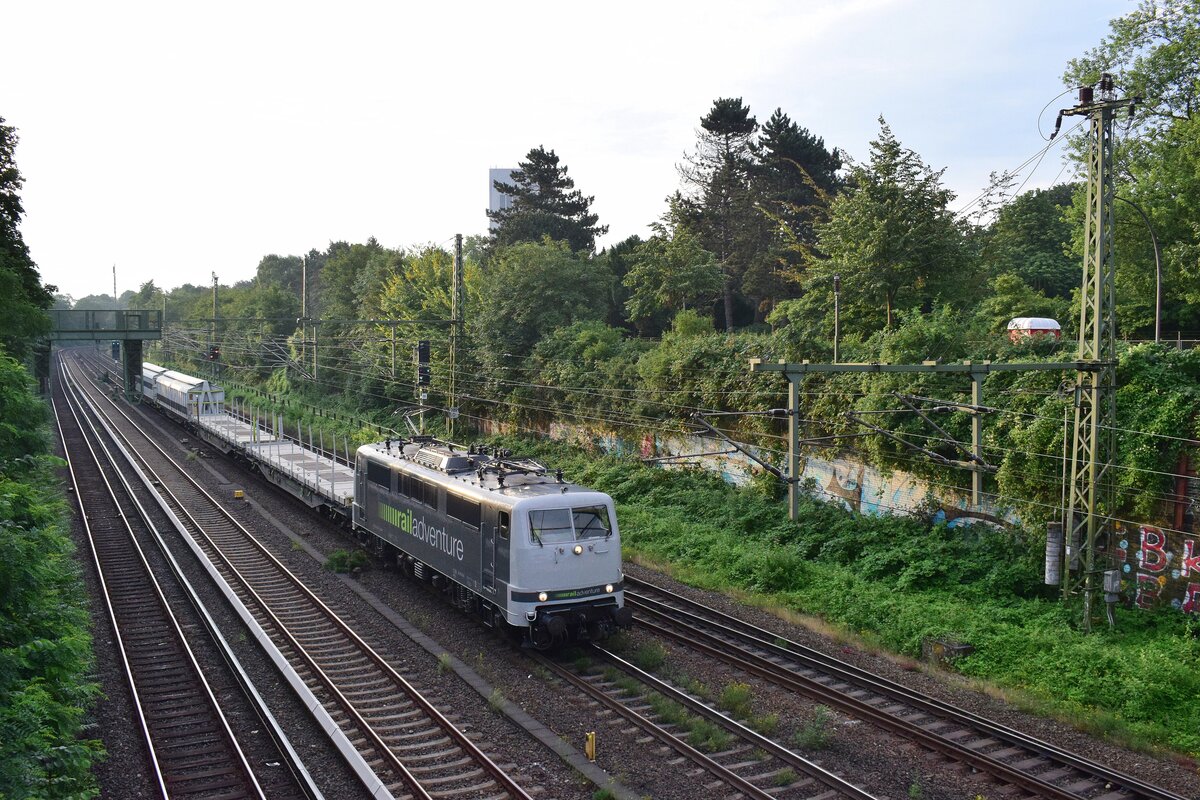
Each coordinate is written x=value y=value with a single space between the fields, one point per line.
x=591 y=522
x=556 y=525
x=551 y=526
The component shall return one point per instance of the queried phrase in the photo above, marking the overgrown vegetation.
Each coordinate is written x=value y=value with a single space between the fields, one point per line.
x=346 y=560
x=45 y=649
x=896 y=581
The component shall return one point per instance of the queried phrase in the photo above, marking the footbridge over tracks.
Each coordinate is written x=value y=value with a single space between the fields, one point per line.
x=126 y=330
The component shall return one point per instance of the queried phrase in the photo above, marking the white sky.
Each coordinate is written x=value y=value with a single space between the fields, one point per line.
x=174 y=140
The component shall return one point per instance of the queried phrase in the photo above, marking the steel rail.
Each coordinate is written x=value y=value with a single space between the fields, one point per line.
x=168 y=786
x=811 y=659
x=702 y=760
x=814 y=771
x=505 y=782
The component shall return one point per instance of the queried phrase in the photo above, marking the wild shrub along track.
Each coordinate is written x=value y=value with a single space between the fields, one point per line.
x=1009 y=756
x=191 y=748
x=754 y=767
x=411 y=745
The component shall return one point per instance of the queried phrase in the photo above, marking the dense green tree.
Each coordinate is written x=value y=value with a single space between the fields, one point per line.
x=285 y=272
x=45 y=654
x=98 y=302
x=23 y=298
x=1010 y=296
x=586 y=367
x=892 y=239
x=545 y=203
x=420 y=290
x=794 y=180
x=718 y=202
x=670 y=272
x=527 y=292
x=617 y=260
x=148 y=296
x=1153 y=52
x=1031 y=237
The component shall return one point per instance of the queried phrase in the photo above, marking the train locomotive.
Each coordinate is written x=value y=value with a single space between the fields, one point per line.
x=506 y=539
x=501 y=537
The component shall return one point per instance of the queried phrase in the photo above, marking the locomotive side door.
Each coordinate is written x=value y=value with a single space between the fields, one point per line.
x=487 y=559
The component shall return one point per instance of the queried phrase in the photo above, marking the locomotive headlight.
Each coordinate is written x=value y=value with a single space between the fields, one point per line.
x=577 y=550
x=608 y=588
x=542 y=597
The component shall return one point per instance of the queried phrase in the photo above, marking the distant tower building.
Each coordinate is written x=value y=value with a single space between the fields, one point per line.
x=497 y=201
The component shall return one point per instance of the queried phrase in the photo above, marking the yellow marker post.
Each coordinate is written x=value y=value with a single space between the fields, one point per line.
x=589 y=746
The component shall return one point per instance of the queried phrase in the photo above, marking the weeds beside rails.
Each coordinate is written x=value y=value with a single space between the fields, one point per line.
x=891 y=582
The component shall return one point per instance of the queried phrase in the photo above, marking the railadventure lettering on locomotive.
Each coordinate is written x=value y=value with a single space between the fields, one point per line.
x=438 y=538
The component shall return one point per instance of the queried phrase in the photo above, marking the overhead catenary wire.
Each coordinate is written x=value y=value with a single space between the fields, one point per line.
x=644 y=422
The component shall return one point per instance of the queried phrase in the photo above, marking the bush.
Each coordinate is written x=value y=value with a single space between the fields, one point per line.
x=346 y=560
x=45 y=650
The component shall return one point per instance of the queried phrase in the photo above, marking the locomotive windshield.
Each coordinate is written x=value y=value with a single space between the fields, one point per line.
x=555 y=525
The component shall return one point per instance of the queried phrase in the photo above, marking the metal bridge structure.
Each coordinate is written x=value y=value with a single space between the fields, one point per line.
x=126 y=329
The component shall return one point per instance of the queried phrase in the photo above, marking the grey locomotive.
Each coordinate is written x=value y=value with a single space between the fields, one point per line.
x=502 y=537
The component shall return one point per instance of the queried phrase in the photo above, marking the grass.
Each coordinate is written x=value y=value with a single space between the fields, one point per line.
x=767 y=724
x=649 y=657
x=708 y=736
x=443 y=663
x=1133 y=684
x=496 y=700
x=736 y=698
x=346 y=560
x=817 y=733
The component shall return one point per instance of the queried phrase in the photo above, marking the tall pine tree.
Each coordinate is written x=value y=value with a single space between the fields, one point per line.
x=718 y=203
x=794 y=178
x=545 y=202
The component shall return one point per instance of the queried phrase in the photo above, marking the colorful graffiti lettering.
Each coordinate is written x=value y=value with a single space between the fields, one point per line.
x=1191 y=558
x=1191 y=599
x=1152 y=557
x=1149 y=588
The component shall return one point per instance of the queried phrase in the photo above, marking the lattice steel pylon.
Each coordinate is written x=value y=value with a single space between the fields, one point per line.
x=1089 y=506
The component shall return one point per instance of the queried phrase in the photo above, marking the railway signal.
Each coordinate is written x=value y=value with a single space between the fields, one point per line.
x=424 y=374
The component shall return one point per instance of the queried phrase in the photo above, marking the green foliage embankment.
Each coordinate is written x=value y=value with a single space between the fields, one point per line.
x=45 y=649
x=895 y=581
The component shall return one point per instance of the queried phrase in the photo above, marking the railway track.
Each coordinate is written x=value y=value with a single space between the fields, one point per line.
x=1035 y=768
x=743 y=764
x=413 y=748
x=192 y=750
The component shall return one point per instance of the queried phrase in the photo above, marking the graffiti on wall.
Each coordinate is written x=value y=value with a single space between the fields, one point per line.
x=1158 y=565
x=1162 y=568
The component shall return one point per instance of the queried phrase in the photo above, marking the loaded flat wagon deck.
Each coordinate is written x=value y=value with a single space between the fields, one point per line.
x=230 y=432
x=313 y=476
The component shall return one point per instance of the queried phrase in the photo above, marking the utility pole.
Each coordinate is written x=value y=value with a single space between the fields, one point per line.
x=114 y=283
x=1089 y=504
x=304 y=309
x=213 y=340
x=456 y=305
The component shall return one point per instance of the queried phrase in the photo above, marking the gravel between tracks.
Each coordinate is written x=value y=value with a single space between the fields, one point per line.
x=878 y=762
